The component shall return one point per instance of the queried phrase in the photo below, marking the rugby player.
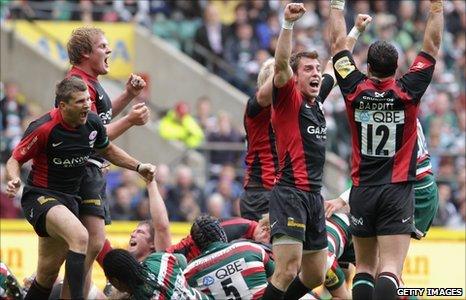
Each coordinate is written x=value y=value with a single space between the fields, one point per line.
x=89 y=52
x=60 y=143
x=226 y=270
x=382 y=112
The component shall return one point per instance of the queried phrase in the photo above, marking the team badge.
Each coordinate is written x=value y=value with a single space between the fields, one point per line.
x=208 y=280
x=92 y=135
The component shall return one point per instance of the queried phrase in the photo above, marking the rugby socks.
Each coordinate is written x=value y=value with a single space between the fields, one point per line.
x=296 y=289
x=386 y=286
x=272 y=293
x=74 y=269
x=37 y=292
x=363 y=286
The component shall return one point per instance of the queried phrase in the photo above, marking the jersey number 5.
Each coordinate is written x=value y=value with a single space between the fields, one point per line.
x=230 y=289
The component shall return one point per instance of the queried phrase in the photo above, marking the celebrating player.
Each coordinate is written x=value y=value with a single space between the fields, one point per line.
x=59 y=143
x=382 y=111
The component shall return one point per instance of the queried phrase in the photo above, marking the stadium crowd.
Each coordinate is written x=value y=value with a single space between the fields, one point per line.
x=243 y=34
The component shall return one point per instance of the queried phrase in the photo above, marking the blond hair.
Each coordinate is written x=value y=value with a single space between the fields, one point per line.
x=81 y=43
x=265 y=71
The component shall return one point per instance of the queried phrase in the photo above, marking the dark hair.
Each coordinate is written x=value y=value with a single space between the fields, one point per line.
x=120 y=264
x=382 y=58
x=151 y=228
x=68 y=86
x=207 y=230
x=296 y=58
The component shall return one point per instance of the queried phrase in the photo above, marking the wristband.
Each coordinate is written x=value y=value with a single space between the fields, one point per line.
x=354 y=33
x=345 y=195
x=287 y=25
x=337 y=4
x=137 y=168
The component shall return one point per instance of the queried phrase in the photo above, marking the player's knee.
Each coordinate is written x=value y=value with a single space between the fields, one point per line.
x=79 y=240
x=95 y=244
x=286 y=274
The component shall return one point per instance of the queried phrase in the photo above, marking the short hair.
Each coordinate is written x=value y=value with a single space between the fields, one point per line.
x=207 y=230
x=121 y=265
x=81 y=43
x=382 y=58
x=65 y=89
x=265 y=71
x=296 y=58
x=151 y=228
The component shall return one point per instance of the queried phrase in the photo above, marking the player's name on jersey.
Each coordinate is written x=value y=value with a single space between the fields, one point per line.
x=376 y=106
x=429 y=292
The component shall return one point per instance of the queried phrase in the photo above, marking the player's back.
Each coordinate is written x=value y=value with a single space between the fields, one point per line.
x=231 y=271
x=165 y=278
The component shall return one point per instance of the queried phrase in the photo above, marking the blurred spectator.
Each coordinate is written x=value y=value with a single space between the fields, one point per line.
x=240 y=50
x=215 y=205
x=182 y=195
x=120 y=208
x=211 y=35
x=228 y=134
x=241 y=17
x=226 y=10
x=204 y=115
x=228 y=188
x=265 y=31
x=179 y=125
x=13 y=113
x=133 y=11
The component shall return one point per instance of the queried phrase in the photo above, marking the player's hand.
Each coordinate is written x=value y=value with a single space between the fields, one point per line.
x=362 y=20
x=139 y=114
x=135 y=85
x=332 y=206
x=294 y=11
x=13 y=186
x=147 y=171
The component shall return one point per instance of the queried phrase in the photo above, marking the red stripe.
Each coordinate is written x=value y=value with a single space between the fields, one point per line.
x=259 y=294
x=424 y=174
x=227 y=254
x=250 y=271
x=298 y=161
x=404 y=155
x=168 y=274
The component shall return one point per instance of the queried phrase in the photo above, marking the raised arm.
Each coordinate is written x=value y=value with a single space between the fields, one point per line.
x=360 y=24
x=283 y=71
x=134 y=85
x=139 y=115
x=337 y=26
x=434 y=29
x=159 y=216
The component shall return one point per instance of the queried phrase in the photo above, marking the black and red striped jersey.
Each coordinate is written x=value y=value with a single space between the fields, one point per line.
x=235 y=228
x=300 y=135
x=382 y=116
x=261 y=155
x=59 y=152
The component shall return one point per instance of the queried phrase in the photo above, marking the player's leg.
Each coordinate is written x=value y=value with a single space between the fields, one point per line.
x=394 y=229
x=287 y=222
x=254 y=203
x=52 y=254
x=61 y=223
x=363 y=203
x=315 y=255
x=366 y=250
x=92 y=214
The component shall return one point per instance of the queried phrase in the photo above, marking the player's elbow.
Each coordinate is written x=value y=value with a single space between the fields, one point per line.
x=337 y=44
x=432 y=47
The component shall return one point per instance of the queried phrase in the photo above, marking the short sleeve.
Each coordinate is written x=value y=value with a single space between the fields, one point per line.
x=286 y=98
x=269 y=265
x=326 y=87
x=253 y=107
x=30 y=145
x=347 y=74
x=419 y=75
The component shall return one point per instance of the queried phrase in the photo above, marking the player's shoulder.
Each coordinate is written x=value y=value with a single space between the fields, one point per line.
x=94 y=118
x=245 y=245
x=39 y=123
